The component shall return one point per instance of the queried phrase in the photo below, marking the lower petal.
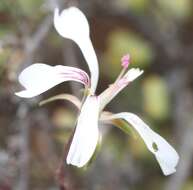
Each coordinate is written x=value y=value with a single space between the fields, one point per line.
x=86 y=134
x=165 y=154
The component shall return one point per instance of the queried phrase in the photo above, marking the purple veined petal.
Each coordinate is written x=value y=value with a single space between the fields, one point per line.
x=71 y=23
x=107 y=95
x=165 y=154
x=40 y=77
x=86 y=134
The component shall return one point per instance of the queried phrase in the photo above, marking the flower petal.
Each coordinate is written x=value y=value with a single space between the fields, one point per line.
x=106 y=96
x=165 y=154
x=86 y=135
x=39 y=78
x=73 y=24
x=132 y=74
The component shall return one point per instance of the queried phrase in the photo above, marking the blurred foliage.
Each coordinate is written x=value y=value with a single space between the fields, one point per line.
x=121 y=42
x=4 y=56
x=5 y=6
x=188 y=186
x=30 y=7
x=63 y=118
x=178 y=8
x=137 y=5
x=64 y=122
x=120 y=145
x=55 y=41
x=156 y=97
x=4 y=30
x=138 y=148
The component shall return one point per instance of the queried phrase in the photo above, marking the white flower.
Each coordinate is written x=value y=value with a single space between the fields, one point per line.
x=38 y=78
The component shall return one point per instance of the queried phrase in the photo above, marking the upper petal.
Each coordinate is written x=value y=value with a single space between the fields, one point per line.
x=86 y=134
x=165 y=154
x=73 y=24
x=39 y=78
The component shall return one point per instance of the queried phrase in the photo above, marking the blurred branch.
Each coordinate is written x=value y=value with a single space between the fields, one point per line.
x=183 y=109
x=9 y=41
x=24 y=146
x=177 y=181
x=31 y=44
x=35 y=40
x=63 y=172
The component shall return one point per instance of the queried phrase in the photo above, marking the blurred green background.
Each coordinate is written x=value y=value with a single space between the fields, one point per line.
x=158 y=34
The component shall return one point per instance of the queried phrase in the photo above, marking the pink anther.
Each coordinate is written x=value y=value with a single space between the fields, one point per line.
x=125 y=61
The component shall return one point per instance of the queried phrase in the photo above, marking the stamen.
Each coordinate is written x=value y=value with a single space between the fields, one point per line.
x=125 y=61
